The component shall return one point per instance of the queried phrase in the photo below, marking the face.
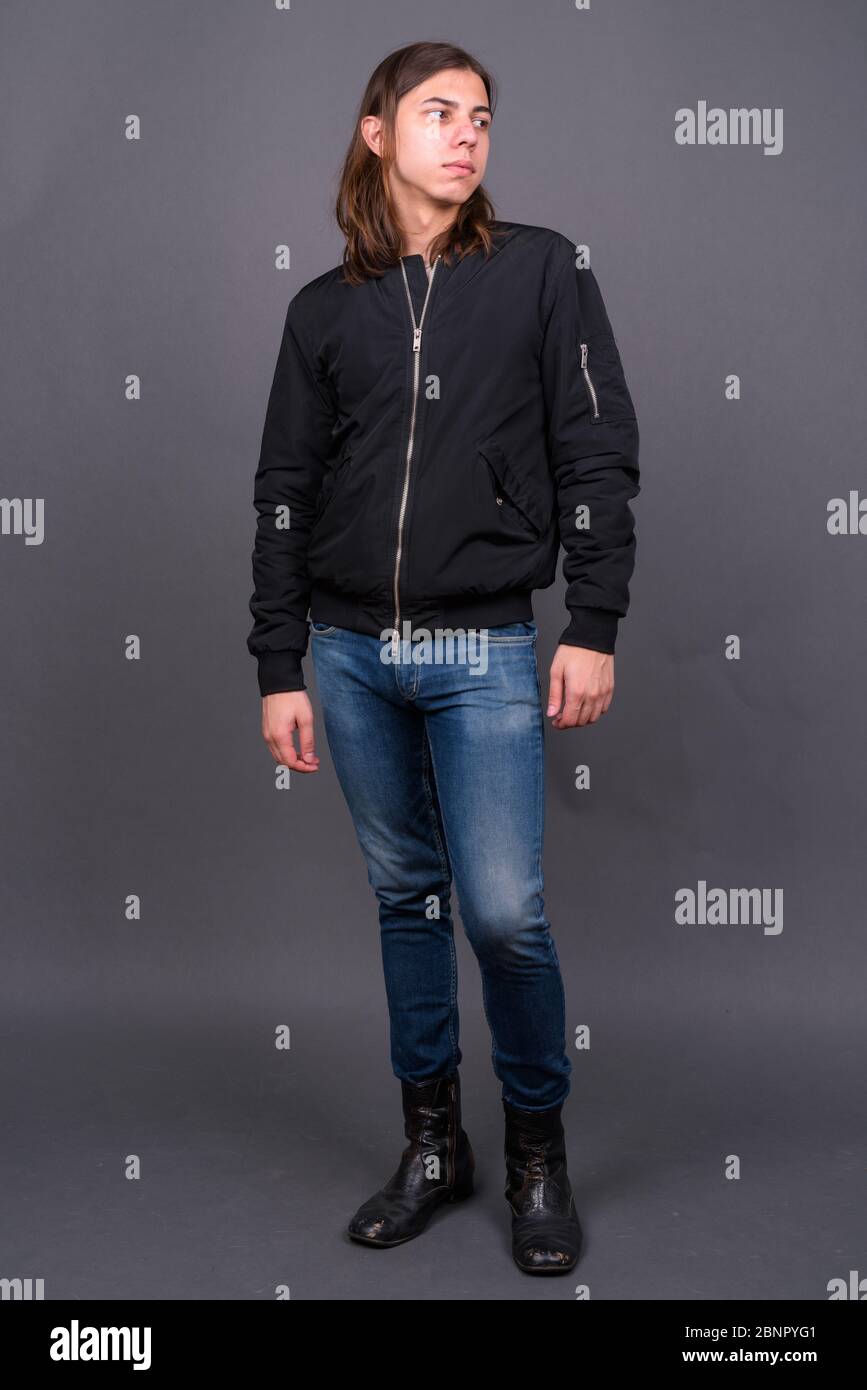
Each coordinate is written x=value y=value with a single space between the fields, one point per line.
x=442 y=136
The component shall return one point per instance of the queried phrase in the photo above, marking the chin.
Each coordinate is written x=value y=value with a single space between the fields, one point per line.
x=460 y=190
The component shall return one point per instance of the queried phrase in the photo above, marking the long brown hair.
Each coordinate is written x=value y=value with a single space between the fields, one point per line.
x=364 y=208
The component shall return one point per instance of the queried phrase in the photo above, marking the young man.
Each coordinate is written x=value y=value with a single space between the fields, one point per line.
x=448 y=406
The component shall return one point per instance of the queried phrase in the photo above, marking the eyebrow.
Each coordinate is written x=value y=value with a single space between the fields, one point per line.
x=444 y=101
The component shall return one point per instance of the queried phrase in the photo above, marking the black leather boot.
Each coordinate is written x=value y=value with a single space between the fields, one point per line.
x=546 y=1232
x=435 y=1167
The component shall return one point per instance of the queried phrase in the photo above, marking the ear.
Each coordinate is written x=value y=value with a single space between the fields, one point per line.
x=371 y=130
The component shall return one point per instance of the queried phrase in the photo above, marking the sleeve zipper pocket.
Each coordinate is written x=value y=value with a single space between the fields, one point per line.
x=591 y=389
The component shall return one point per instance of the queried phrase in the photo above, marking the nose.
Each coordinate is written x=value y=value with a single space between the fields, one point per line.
x=466 y=134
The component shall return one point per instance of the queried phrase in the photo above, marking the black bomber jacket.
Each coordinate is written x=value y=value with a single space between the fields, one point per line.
x=429 y=443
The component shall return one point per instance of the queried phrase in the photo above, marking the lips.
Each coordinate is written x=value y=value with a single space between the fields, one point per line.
x=460 y=166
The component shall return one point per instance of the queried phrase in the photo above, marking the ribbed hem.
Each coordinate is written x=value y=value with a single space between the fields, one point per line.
x=594 y=628
x=373 y=617
x=279 y=671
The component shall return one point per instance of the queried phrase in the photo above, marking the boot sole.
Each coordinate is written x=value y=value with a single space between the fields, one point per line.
x=460 y=1196
x=544 y=1271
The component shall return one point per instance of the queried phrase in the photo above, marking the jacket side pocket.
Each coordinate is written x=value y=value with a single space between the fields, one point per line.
x=511 y=489
x=333 y=483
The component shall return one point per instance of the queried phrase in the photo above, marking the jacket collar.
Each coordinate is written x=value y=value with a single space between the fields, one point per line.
x=449 y=279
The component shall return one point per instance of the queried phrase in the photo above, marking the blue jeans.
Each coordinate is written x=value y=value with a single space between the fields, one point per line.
x=441 y=764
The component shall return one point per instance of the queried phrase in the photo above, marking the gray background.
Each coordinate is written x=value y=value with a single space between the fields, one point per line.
x=156 y=1038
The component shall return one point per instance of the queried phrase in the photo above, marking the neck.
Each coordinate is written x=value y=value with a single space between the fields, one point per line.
x=421 y=220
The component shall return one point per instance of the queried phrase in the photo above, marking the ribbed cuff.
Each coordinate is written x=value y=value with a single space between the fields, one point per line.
x=593 y=628
x=279 y=671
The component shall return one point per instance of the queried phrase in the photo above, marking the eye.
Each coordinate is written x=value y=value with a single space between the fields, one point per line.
x=483 y=122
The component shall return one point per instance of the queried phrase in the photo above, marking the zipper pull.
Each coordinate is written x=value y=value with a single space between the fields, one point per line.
x=583 y=356
x=416 y=340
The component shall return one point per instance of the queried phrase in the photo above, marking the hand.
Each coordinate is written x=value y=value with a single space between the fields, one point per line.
x=589 y=681
x=282 y=714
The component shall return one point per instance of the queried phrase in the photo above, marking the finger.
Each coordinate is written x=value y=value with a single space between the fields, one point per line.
x=270 y=741
x=289 y=756
x=588 y=711
x=595 y=710
x=285 y=751
x=306 y=740
x=282 y=750
x=569 y=715
x=555 y=692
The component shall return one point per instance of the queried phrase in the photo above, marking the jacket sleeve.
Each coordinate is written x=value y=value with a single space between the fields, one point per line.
x=292 y=462
x=593 y=452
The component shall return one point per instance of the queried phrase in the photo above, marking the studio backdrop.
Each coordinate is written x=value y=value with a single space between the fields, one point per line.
x=196 y=1089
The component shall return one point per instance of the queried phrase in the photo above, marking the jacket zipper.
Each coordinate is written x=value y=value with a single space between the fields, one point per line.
x=416 y=350
x=591 y=388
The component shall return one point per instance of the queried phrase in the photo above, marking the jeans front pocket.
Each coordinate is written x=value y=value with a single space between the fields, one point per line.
x=512 y=632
